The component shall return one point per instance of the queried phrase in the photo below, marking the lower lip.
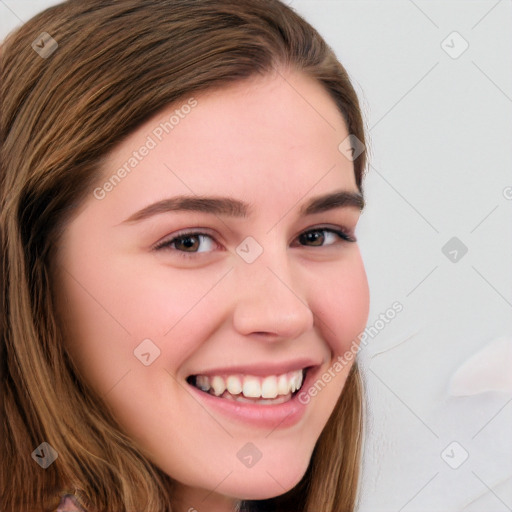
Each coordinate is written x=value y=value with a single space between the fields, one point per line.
x=265 y=416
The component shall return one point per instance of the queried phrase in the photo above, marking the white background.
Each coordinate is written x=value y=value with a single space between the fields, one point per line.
x=440 y=147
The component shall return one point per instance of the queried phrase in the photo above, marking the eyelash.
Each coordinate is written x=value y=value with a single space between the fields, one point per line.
x=166 y=244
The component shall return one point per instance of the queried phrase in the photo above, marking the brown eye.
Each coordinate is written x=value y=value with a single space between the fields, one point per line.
x=314 y=238
x=189 y=243
x=324 y=237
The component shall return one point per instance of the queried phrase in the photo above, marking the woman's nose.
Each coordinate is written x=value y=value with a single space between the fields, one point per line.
x=269 y=301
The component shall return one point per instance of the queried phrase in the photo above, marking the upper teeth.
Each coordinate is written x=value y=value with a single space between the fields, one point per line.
x=251 y=386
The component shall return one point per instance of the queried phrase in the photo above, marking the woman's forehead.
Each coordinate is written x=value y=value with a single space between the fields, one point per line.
x=242 y=140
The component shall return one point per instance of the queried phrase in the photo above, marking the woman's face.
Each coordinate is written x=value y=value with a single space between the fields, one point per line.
x=240 y=278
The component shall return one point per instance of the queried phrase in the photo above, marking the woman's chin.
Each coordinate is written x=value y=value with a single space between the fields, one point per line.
x=263 y=485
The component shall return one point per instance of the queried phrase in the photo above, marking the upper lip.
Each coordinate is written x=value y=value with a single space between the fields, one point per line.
x=261 y=369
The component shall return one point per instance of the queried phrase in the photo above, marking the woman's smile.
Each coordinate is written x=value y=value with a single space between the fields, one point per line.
x=258 y=398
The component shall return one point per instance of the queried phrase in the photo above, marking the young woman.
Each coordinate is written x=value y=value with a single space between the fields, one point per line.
x=182 y=290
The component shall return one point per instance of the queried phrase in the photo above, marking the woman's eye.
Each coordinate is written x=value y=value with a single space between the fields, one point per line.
x=189 y=242
x=192 y=243
x=323 y=236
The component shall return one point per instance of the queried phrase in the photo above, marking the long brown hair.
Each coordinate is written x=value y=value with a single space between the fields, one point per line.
x=117 y=63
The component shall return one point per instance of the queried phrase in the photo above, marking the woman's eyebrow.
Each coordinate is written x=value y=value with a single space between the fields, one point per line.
x=214 y=205
x=235 y=208
x=340 y=199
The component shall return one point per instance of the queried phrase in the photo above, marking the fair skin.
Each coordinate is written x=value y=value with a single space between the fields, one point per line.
x=268 y=142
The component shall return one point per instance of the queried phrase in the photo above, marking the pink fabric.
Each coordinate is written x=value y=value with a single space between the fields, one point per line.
x=69 y=504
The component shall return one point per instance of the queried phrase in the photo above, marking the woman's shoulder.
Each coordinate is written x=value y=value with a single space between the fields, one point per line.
x=68 y=503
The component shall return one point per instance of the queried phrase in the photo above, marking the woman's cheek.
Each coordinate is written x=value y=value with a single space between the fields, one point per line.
x=182 y=312
x=167 y=298
x=341 y=300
